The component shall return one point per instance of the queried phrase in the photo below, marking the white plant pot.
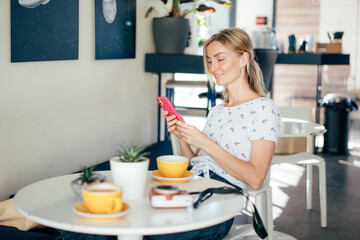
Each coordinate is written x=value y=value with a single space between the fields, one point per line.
x=131 y=176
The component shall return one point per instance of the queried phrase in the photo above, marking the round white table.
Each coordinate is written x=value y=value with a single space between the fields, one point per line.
x=51 y=202
x=299 y=128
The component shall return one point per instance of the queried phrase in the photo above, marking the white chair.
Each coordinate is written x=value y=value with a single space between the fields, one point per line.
x=262 y=199
x=306 y=158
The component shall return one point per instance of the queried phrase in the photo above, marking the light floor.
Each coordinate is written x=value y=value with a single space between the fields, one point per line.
x=343 y=197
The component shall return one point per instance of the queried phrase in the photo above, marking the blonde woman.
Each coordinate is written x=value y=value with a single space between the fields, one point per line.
x=239 y=137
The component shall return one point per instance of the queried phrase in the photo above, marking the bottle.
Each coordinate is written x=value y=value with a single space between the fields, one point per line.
x=264 y=36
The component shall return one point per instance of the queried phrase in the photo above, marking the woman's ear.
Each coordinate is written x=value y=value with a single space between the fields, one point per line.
x=244 y=59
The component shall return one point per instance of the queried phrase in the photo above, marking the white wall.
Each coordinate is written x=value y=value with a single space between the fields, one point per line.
x=57 y=116
x=247 y=11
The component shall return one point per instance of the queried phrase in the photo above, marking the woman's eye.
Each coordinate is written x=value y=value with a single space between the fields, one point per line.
x=221 y=59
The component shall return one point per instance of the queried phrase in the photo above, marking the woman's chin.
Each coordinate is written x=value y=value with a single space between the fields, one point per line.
x=219 y=82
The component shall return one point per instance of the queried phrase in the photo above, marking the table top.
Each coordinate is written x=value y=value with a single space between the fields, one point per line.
x=51 y=202
x=299 y=128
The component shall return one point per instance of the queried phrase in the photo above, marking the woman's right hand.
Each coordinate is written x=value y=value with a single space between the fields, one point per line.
x=171 y=124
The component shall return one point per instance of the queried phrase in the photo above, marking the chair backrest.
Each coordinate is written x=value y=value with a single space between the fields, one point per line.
x=175 y=145
x=294 y=145
x=266 y=59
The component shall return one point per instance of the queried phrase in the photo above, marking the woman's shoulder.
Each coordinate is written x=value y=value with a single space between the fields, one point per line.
x=267 y=102
x=216 y=107
x=267 y=106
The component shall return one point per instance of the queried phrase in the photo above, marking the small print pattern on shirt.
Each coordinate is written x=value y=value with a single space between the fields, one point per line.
x=234 y=128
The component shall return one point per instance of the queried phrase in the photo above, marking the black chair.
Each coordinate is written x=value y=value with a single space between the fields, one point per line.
x=266 y=59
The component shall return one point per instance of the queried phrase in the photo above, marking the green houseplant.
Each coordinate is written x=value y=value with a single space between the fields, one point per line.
x=87 y=176
x=133 y=154
x=129 y=170
x=180 y=8
x=170 y=27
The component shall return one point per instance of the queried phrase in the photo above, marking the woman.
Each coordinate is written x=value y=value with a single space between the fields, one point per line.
x=239 y=138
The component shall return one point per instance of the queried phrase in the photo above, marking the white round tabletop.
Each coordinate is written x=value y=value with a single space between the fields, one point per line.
x=51 y=202
x=299 y=128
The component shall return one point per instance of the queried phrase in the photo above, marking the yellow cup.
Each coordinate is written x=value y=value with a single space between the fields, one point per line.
x=172 y=166
x=102 y=198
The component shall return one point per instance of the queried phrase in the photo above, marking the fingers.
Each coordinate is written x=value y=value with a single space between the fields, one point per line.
x=183 y=125
x=171 y=129
x=165 y=113
x=184 y=130
x=171 y=122
x=169 y=118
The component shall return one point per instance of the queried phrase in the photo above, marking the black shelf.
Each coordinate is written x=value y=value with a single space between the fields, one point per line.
x=174 y=63
x=183 y=63
x=314 y=59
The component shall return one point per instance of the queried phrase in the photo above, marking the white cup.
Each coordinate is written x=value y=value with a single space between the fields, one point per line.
x=309 y=43
x=281 y=46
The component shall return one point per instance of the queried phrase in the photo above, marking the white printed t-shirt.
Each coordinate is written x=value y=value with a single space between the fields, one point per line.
x=233 y=129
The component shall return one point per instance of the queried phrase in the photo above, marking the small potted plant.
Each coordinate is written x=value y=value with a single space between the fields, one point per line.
x=170 y=27
x=87 y=176
x=129 y=170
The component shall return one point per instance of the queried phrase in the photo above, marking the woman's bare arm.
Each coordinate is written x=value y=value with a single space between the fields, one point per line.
x=252 y=173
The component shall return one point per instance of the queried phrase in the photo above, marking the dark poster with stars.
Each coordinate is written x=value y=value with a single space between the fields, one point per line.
x=115 y=26
x=44 y=30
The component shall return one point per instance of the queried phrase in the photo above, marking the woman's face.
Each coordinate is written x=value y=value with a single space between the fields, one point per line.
x=224 y=64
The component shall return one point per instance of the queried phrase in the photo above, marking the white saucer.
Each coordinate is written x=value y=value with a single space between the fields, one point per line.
x=187 y=176
x=81 y=210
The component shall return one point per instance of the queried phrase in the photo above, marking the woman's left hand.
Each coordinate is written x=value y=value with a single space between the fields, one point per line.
x=191 y=135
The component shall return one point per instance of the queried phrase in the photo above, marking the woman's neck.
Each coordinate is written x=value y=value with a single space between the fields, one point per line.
x=240 y=95
x=233 y=103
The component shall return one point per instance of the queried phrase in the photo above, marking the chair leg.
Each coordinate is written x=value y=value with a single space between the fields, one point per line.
x=265 y=210
x=261 y=205
x=269 y=215
x=322 y=190
x=309 y=184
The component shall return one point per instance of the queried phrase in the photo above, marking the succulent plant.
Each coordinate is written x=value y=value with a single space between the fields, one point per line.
x=87 y=175
x=132 y=154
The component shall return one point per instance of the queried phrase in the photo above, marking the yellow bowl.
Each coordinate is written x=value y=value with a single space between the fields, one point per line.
x=172 y=166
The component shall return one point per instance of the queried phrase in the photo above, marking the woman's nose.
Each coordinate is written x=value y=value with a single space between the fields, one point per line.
x=213 y=66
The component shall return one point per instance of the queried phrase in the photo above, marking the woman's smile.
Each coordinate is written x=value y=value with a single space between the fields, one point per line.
x=217 y=75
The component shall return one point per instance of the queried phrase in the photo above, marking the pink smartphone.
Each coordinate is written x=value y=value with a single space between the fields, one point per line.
x=166 y=105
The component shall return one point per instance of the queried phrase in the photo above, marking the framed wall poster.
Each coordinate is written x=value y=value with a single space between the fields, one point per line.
x=44 y=30
x=115 y=26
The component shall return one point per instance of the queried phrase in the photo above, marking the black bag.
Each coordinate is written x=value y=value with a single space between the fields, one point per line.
x=257 y=222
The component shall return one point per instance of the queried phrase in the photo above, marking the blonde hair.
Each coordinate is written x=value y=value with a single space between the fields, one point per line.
x=237 y=40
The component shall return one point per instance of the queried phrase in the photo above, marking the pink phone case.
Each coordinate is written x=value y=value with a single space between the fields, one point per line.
x=166 y=105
